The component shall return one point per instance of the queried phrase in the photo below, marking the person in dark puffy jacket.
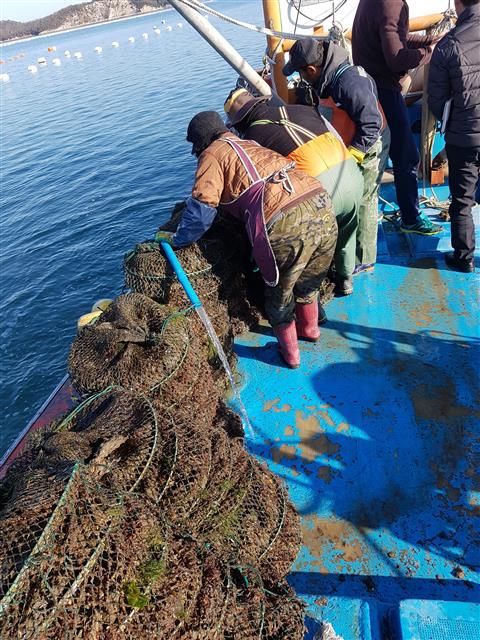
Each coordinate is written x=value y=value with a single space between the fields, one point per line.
x=454 y=94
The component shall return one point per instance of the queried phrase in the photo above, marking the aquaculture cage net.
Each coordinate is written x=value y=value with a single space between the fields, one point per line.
x=139 y=344
x=140 y=514
x=50 y=553
x=148 y=272
x=136 y=538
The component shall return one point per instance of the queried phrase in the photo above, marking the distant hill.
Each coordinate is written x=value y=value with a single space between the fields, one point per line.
x=77 y=15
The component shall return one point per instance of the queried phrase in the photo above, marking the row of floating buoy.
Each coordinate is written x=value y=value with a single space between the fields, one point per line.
x=42 y=61
x=18 y=56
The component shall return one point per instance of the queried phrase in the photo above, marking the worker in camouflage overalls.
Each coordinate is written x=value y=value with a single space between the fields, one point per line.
x=288 y=218
x=301 y=134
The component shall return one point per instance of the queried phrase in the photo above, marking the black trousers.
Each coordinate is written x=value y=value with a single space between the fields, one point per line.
x=463 y=173
x=403 y=152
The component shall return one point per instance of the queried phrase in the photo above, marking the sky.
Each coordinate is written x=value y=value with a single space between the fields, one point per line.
x=25 y=10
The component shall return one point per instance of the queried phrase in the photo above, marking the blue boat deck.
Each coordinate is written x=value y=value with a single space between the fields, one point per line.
x=376 y=436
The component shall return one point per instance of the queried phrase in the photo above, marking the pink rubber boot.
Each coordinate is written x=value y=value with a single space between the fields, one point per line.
x=286 y=335
x=307 y=321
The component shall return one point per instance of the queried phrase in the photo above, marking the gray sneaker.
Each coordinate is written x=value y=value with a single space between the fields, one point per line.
x=423 y=226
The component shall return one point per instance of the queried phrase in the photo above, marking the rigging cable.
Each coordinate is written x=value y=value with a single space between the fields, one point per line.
x=199 y=6
x=341 y=4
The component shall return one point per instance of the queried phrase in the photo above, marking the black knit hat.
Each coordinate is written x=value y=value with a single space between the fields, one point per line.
x=304 y=52
x=203 y=129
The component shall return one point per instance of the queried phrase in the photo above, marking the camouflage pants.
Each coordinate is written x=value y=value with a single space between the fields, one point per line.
x=372 y=169
x=303 y=241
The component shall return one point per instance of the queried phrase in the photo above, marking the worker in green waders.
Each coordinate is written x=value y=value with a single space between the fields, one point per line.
x=288 y=217
x=347 y=97
x=302 y=135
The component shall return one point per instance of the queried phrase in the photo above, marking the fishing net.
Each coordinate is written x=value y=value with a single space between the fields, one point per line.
x=147 y=271
x=250 y=521
x=115 y=432
x=137 y=344
x=140 y=514
x=259 y=610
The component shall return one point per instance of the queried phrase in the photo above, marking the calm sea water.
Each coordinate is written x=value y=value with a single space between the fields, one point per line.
x=93 y=156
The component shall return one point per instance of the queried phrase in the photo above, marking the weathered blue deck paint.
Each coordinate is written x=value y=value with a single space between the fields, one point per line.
x=376 y=436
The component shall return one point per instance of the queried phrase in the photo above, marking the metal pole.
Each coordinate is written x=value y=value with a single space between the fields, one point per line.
x=222 y=46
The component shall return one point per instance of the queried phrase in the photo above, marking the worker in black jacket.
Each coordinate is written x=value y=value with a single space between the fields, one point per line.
x=347 y=97
x=455 y=76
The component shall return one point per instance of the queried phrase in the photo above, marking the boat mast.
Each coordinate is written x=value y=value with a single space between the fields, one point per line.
x=273 y=20
x=222 y=46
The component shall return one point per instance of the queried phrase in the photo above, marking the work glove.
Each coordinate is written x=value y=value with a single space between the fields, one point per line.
x=357 y=154
x=164 y=236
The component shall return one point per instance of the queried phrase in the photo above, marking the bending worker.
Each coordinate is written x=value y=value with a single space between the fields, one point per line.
x=347 y=97
x=288 y=218
x=301 y=134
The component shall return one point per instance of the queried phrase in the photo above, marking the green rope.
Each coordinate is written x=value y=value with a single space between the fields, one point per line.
x=174 y=316
x=87 y=402
x=174 y=371
x=281 y=522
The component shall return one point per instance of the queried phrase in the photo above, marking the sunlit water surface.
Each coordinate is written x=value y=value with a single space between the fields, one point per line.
x=93 y=157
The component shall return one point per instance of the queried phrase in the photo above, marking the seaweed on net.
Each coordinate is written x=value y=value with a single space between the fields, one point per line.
x=140 y=514
x=251 y=522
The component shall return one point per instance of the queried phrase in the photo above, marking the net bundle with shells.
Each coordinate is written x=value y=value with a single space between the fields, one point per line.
x=140 y=514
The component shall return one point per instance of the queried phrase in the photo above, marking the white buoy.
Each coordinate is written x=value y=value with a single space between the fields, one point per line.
x=98 y=49
x=162 y=22
x=145 y=35
x=157 y=31
x=57 y=62
x=78 y=55
x=4 y=77
x=67 y=54
x=179 y=25
x=168 y=28
x=115 y=44
x=41 y=60
x=32 y=68
x=131 y=39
